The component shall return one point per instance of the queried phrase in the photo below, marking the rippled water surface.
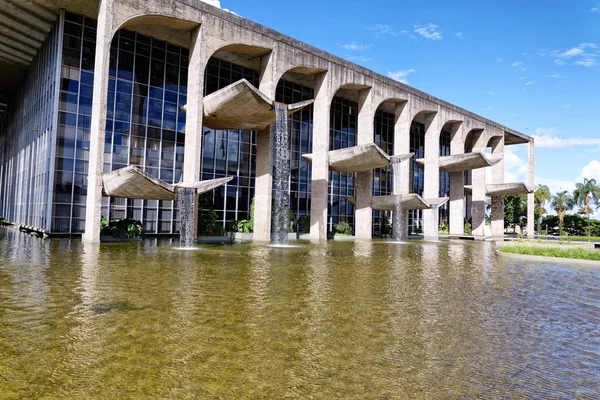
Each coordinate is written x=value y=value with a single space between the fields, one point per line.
x=333 y=320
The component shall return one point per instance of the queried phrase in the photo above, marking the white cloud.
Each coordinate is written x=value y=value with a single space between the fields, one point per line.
x=358 y=59
x=517 y=64
x=459 y=35
x=428 y=31
x=499 y=59
x=548 y=138
x=554 y=76
x=216 y=3
x=529 y=83
x=596 y=9
x=575 y=51
x=357 y=47
x=590 y=171
x=490 y=92
x=522 y=78
x=515 y=168
x=568 y=105
x=382 y=30
x=401 y=76
x=584 y=55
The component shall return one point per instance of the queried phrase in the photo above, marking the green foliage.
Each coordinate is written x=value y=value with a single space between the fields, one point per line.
x=342 y=229
x=515 y=211
x=252 y=210
x=444 y=228
x=385 y=228
x=576 y=253
x=468 y=228
x=561 y=203
x=122 y=228
x=584 y=194
x=292 y=222
x=243 y=226
x=304 y=223
x=2 y=221
x=207 y=224
x=572 y=225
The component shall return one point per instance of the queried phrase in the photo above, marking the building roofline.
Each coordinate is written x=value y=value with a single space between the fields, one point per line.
x=278 y=36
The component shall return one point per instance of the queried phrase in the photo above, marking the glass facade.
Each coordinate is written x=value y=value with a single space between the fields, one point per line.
x=342 y=134
x=383 y=180
x=228 y=152
x=445 y=139
x=417 y=146
x=26 y=136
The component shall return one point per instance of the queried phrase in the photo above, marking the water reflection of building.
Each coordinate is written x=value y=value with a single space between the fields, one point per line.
x=48 y=135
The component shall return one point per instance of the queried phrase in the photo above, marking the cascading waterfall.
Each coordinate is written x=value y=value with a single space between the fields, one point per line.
x=399 y=218
x=186 y=201
x=281 y=196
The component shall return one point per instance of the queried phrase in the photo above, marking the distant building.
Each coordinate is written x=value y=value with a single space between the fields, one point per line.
x=84 y=93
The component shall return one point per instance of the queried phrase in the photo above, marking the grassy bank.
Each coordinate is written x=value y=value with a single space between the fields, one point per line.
x=576 y=253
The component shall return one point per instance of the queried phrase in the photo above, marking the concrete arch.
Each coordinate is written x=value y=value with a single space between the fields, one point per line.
x=474 y=139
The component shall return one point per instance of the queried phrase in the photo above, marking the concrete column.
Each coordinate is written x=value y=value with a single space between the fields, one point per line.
x=364 y=180
x=457 y=186
x=402 y=146
x=431 y=172
x=193 y=126
x=479 y=192
x=531 y=196
x=320 y=164
x=264 y=157
x=498 y=202
x=104 y=35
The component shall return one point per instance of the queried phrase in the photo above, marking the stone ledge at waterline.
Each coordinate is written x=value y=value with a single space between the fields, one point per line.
x=544 y=259
x=248 y=237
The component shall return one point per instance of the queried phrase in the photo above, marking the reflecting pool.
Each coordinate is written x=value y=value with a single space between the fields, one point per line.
x=363 y=319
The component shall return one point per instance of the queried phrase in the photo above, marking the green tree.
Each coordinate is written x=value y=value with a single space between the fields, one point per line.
x=561 y=203
x=541 y=196
x=584 y=194
x=515 y=211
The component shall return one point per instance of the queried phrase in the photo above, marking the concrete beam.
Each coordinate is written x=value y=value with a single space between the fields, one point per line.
x=24 y=17
x=16 y=45
x=13 y=59
x=6 y=50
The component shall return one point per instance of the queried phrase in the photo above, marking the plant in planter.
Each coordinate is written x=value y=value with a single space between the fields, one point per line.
x=244 y=226
x=342 y=229
x=304 y=223
x=122 y=228
x=292 y=222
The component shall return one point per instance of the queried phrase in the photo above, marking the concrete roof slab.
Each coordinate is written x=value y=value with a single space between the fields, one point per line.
x=463 y=162
x=133 y=183
x=242 y=106
x=410 y=201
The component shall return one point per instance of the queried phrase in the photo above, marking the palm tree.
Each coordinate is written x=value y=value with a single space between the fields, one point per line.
x=583 y=195
x=541 y=196
x=562 y=202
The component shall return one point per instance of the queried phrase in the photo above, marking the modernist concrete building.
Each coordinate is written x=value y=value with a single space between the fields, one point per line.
x=93 y=86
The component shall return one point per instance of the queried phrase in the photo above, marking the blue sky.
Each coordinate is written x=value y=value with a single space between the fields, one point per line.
x=531 y=65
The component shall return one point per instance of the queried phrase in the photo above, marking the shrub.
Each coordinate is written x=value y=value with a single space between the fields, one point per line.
x=444 y=228
x=468 y=228
x=244 y=226
x=292 y=222
x=2 y=221
x=343 y=229
x=122 y=228
x=304 y=223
